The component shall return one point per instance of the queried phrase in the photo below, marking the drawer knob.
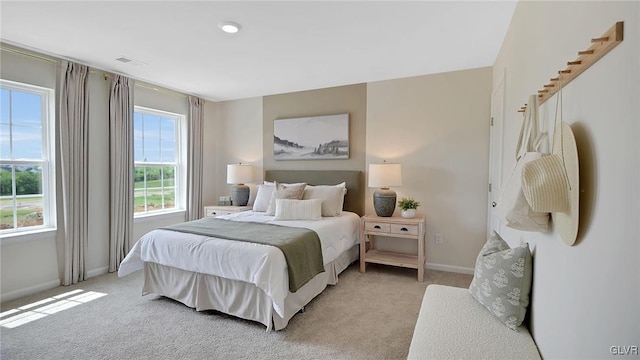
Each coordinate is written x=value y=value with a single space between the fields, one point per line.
x=404 y=229
x=377 y=227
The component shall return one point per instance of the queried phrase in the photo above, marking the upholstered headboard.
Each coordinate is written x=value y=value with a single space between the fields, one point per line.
x=353 y=201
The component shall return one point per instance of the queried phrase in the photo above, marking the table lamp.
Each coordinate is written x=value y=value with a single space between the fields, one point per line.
x=383 y=176
x=239 y=175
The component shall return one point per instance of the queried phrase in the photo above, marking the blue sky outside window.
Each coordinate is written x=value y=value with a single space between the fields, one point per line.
x=21 y=125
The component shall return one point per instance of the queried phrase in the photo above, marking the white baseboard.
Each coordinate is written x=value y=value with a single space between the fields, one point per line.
x=46 y=286
x=29 y=291
x=449 y=268
x=96 y=272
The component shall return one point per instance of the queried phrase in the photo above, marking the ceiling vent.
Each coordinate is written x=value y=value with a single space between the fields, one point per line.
x=130 y=61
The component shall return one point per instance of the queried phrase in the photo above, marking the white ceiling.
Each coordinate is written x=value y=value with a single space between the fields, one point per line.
x=282 y=47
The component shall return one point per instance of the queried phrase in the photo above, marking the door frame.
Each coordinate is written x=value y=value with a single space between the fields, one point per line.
x=496 y=138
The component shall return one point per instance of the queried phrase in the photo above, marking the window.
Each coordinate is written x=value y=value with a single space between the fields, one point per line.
x=27 y=180
x=157 y=160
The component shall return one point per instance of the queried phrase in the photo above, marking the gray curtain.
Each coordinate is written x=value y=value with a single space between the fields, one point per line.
x=74 y=159
x=121 y=172
x=194 y=159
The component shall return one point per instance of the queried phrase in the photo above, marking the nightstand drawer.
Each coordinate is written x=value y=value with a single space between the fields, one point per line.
x=376 y=226
x=215 y=212
x=404 y=229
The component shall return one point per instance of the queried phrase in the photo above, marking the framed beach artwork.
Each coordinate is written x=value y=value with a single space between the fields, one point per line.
x=311 y=138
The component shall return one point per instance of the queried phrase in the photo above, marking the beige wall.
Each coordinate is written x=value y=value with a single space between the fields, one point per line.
x=31 y=263
x=210 y=144
x=233 y=134
x=337 y=100
x=585 y=298
x=438 y=141
x=28 y=264
x=242 y=131
x=437 y=127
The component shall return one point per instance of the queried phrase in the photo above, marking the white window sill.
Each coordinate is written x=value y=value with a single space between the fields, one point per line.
x=29 y=235
x=158 y=216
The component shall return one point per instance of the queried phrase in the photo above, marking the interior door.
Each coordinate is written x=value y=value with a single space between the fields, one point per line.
x=495 y=155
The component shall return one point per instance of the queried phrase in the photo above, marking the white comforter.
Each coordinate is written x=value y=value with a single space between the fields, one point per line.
x=262 y=265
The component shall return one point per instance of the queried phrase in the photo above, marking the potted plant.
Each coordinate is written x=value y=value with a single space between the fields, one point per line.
x=408 y=206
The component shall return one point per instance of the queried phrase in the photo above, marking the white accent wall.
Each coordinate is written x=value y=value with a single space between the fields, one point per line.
x=586 y=298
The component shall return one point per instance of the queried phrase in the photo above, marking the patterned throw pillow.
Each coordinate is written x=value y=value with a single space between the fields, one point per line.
x=502 y=280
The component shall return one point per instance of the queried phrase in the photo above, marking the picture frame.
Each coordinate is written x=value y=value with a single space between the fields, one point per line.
x=311 y=138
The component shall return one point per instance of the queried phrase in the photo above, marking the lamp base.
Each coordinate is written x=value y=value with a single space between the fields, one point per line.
x=239 y=195
x=384 y=202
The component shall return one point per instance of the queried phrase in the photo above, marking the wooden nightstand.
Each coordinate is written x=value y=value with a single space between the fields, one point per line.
x=392 y=227
x=217 y=210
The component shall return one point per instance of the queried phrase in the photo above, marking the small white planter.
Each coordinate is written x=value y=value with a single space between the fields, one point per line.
x=409 y=213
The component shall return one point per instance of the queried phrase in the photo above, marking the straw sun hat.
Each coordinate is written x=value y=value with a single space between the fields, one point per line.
x=551 y=183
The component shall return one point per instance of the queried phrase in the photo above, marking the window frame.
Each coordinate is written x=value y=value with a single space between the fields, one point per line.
x=47 y=161
x=180 y=161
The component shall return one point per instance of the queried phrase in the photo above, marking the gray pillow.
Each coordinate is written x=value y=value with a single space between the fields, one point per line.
x=502 y=280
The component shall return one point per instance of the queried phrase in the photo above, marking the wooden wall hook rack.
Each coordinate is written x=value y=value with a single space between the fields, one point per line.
x=599 y=47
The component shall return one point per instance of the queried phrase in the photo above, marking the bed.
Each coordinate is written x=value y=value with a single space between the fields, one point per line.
x=249 y=280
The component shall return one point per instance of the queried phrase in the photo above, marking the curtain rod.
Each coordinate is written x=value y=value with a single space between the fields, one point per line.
x=93 y=70
x=160 y=89
x=145 y=85
x=27 y=53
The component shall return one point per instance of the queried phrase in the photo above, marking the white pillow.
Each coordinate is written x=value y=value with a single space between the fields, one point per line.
x=287 y=209
x=253 y=189
x=272 y=182
x=332 y=197
x=285 y=191
x=263 y=197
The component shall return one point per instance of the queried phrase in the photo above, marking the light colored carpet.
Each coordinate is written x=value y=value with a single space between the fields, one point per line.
x=365 y=316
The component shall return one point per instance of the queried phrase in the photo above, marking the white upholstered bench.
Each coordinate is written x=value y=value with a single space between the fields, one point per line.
x=453 y=325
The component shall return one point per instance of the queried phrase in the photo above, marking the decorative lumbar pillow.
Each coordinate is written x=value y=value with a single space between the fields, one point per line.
x=332 y=197
x=263 y=197
x=285 y=191
x=502 y=280
x=287 y=209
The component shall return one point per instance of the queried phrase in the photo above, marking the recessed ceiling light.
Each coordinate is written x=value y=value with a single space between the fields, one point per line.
x=229 y=27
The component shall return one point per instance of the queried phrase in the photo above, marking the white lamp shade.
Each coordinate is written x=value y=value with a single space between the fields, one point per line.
x=385 y=175
x=239 y=174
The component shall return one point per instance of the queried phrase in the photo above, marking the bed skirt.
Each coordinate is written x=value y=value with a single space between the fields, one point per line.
x=238 y=298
